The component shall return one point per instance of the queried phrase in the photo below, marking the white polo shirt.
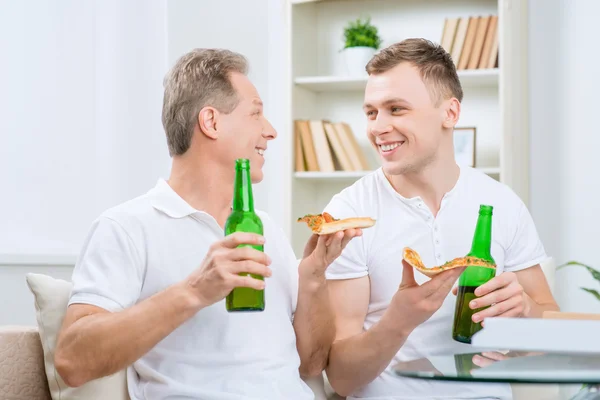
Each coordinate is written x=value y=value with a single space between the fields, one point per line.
x=149 y=243
x=408 y=222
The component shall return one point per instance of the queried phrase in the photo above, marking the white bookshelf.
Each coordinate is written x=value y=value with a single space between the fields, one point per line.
x=495 y=100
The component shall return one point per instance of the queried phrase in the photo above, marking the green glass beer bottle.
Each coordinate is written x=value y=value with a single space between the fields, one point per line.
x=473 y=277
x=244 y=219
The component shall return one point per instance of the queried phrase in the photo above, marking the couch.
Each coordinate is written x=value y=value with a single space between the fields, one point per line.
x=22 y=374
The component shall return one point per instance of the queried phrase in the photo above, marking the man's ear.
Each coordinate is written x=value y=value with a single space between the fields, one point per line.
x=208 y=118
x=452 y=113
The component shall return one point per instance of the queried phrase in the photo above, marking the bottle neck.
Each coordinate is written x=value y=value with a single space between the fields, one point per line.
x=242 y=191
x=482 y=239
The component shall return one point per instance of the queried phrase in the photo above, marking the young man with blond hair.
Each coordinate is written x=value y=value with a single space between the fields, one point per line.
x=150 y=283
x=385 y=312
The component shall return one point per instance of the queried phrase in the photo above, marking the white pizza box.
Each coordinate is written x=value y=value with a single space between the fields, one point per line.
x=540 y=335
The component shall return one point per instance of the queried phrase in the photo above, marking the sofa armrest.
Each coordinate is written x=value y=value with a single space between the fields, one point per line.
x=22 y=373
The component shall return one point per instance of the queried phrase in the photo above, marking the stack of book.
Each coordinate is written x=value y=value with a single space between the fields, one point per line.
x=326 y=146
x=472 y=41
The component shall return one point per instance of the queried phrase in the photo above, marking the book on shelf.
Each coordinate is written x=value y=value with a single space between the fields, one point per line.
x=471 y=41
x=326 y=146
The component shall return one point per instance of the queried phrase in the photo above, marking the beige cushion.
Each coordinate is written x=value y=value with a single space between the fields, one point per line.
x=51 y=300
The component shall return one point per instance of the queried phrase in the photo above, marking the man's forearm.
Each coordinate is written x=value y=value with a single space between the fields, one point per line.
x=313 y=323
x=535 y=310
x=358 y=360
x=101 y=344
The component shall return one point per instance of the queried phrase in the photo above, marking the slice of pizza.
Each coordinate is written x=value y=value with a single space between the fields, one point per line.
x=324 y=224
x=414 y=260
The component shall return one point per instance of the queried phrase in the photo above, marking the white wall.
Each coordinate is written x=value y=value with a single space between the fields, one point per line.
x=17 y=306
x=80 y=129
x=565 y=140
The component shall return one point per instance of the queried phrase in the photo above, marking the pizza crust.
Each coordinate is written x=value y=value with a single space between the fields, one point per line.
x=414 y=260
x=348 y=223
x=325 y=224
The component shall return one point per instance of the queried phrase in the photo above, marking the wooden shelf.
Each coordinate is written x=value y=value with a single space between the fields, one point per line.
x=354 y=175
x=475 y=77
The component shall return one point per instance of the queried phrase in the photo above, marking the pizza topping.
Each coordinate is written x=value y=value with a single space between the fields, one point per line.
x=328 y=218
x=314 y=221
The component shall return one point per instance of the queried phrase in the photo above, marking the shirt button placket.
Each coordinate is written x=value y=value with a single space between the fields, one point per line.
x=436 y=240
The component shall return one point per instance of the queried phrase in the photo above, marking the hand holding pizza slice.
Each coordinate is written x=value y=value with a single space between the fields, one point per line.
x=330 y=237
x=325 y=224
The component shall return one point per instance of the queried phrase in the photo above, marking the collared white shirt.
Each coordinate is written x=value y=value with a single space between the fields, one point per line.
x=145 y=245
x=408 y=222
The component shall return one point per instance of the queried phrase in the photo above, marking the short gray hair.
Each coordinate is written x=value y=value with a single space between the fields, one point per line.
x=198 y=79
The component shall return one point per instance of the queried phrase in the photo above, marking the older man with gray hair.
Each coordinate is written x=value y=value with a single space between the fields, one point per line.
x=150 y=283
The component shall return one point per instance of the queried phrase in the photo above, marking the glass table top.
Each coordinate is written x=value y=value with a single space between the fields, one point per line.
x=507 y=367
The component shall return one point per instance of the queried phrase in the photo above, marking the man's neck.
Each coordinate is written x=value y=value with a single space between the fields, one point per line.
x=204 y=186
x=431 y=183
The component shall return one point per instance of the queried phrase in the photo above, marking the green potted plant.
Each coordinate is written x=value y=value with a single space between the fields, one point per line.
x=586 y=390
x=595 y=275
x=361 y=41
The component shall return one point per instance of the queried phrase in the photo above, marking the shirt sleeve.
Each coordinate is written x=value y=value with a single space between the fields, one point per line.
x=526 y=249
x=352 y=263
x=108 y=273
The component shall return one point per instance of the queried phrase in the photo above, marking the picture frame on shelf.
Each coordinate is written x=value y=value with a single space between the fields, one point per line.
x=464 y=145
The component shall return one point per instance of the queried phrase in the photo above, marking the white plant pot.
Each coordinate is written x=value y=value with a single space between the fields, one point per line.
x=356 y=59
